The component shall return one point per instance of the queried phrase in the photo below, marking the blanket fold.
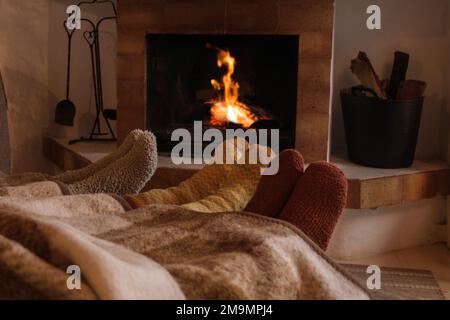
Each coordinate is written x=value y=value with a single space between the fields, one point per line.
x=33 y=190
x=53 y=243
x=21 y=179
x=159 y=252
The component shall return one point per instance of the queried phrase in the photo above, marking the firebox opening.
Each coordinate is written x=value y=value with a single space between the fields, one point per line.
x=187 y=82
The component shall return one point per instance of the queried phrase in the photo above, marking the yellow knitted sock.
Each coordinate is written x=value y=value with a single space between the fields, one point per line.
x=234 y=194
x=215 y=188
x=193 y=189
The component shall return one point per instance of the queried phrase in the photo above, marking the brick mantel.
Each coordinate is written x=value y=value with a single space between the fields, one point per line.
x=311 y=20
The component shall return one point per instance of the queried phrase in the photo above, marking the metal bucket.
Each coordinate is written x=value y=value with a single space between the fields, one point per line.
x=381 y=133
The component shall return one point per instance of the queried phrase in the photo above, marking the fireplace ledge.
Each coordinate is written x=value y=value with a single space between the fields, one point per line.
x=368 y=187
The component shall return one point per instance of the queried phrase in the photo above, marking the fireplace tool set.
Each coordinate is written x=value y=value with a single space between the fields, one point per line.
x=65 y=110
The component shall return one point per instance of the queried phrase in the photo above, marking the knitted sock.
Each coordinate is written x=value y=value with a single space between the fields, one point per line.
x=235 y=191
x=74 y=176
x=201 y=185
x=317 y=202
x=274 y=191
x=215 y=188
x=126 y=175
x=193 y=189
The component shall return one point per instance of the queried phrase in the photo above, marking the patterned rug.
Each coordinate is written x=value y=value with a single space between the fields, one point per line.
x=400 y=284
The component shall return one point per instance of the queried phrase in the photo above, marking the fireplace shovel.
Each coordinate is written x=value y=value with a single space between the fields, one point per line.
x=65 y=109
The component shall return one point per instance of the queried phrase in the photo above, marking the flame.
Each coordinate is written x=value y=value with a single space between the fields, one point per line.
x=228 y=108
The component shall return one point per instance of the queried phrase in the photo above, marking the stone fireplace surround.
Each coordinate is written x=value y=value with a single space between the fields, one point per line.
x=311 y=20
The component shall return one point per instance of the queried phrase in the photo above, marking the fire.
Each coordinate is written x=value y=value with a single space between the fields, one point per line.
x=228 y=108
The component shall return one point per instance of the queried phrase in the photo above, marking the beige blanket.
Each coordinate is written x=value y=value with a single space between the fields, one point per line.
x=21 y=179
x=160 y=252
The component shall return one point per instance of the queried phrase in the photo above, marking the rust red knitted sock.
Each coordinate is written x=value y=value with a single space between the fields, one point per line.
x=317 y=202
x=274 y=191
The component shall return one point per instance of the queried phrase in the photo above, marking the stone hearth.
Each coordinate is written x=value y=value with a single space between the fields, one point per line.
x=311 y=20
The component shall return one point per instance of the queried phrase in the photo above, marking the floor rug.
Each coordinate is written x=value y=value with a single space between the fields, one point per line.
x=399 y=284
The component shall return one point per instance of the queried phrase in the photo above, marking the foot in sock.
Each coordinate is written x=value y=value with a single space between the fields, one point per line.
x=124 y=175
x=233 y=194
x=274 y=191
x=317 y=202
x=215 y=188
x=193 y=189
x=205 y=189
x=71 y=177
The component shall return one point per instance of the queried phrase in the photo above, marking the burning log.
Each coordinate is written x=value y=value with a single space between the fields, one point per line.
x=227 y=108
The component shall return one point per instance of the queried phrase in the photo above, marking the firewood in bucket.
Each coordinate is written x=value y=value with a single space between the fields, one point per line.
x=411 y=89
x=363 y=69
x=385 y=85
x=399 y=70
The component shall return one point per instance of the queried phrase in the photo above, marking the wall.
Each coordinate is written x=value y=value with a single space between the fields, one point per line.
x=363 y=233
x=414 y=26
x=24 y=65
x=447 y=116
x=82 y=93
x=5 y=153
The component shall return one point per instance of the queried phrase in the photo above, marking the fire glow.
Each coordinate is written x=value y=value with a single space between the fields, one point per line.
x=227 y=108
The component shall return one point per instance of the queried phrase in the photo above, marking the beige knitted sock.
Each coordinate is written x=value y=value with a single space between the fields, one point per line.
x=73 y=176
x=128 y=174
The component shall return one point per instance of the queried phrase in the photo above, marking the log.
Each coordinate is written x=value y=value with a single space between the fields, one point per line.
x=411 y=89
x=399 y=70
x=363 y=69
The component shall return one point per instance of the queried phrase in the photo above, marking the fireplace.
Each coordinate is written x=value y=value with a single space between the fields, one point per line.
x=185 y=83
x=300 y=105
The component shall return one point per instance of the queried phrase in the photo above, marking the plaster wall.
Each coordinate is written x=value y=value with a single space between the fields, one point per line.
x=24 y=65
x=364 y=233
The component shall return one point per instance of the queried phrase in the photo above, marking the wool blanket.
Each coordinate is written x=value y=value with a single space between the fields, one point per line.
x=156 y=252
